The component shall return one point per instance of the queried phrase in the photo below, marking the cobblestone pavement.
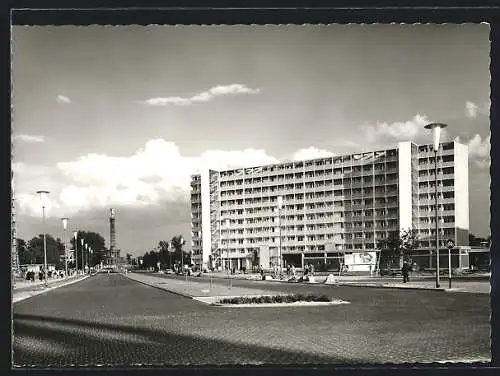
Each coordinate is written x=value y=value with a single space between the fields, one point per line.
x=28 y=292
x=197 y=288
x=111 y=320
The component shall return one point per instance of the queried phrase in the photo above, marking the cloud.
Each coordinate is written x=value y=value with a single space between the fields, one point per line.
x=31 y=204
x=29 y=138
x=97 y=180
x=310 y=153
x=397 y=131
x=472 y=109
x=63 y=99
x=479 y=150
x=205 y=96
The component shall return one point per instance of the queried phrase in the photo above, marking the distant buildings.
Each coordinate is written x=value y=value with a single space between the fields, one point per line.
x=331 y=206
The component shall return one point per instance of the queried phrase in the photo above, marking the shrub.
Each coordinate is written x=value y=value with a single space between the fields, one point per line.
x=276 y=299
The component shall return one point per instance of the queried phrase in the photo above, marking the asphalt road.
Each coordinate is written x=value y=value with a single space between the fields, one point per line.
x=111 y=320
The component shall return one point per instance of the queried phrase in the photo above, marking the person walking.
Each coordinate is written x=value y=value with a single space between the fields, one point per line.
x=405 y=270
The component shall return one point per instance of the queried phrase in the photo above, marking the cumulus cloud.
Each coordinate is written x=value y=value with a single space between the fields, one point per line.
x=29 y=138
x=205 y=96
x=310 y=153
x=397 y=131
x=472 y=110
x=479 y=149
x=62 y=99
x=154 y=174
x=31 y=204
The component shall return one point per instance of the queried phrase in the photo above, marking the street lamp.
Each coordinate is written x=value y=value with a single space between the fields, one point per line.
x=83 y=255
x=91 y=253
x=169 y=246
x=200 y=253
x=65 y=226
x=436 y=132
x=182 y=241
x=75 y=235
x=43 y=195
x=280 y=206
x=87 y=257
x=228 y=223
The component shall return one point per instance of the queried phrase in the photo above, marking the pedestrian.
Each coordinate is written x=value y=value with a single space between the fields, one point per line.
x=311 y=269
x=405 y=270
x=288 y=270
x=293 y=271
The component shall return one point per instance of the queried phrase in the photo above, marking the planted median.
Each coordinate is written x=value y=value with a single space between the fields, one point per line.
x=277 y=300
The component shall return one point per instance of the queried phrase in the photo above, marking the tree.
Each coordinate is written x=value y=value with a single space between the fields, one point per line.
x=409 y=242
x=164 y=253
x=400 y=246
x=23 y=252
x=179 y=253
x=95 y=241
x=55 y=249
x=392 y=244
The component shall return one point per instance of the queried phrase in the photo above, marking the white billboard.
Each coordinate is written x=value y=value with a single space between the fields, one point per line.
x=361 y=261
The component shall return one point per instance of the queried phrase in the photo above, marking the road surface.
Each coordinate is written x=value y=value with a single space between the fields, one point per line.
x=110 y=320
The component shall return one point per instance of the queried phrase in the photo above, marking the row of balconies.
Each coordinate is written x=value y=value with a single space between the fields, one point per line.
x=337 y=197
x=327 y=206
x=297 y=189
x=389 y=177
x=303 y=166
x=264 y=180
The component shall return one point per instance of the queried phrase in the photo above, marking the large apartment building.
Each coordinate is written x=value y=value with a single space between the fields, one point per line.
x=330 y=206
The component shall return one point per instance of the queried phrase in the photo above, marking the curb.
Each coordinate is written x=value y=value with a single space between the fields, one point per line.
x=390 y=287
x=39 y=292
x=160 y=288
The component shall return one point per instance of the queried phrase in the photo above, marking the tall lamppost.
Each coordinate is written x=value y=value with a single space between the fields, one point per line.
x=436 y=131
x=169 y=246
x=83 y=255
x=65 y=226
x=87 y=257
x=75 y=236
x=91 y=253
x=200 y=253
x=182 y=241
x=280 y=206
x=228 y=223
x=43 y=195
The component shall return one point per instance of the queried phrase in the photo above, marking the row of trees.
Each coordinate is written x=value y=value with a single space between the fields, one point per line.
x=31 y=252
x=167 y=254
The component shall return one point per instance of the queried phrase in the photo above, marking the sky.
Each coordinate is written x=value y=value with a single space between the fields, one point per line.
x=121 y=116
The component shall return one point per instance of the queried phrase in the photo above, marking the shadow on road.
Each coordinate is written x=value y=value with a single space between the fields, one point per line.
x=70 y=342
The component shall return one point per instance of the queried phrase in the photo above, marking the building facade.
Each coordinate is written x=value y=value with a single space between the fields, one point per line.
x=331 y=207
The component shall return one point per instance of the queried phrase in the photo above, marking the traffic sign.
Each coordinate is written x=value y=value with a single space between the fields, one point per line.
x=450 y=243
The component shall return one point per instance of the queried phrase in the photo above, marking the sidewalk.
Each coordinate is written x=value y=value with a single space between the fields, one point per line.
x=202 y=288
x=24 y=284
x=34 y=288
x=418 y=282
